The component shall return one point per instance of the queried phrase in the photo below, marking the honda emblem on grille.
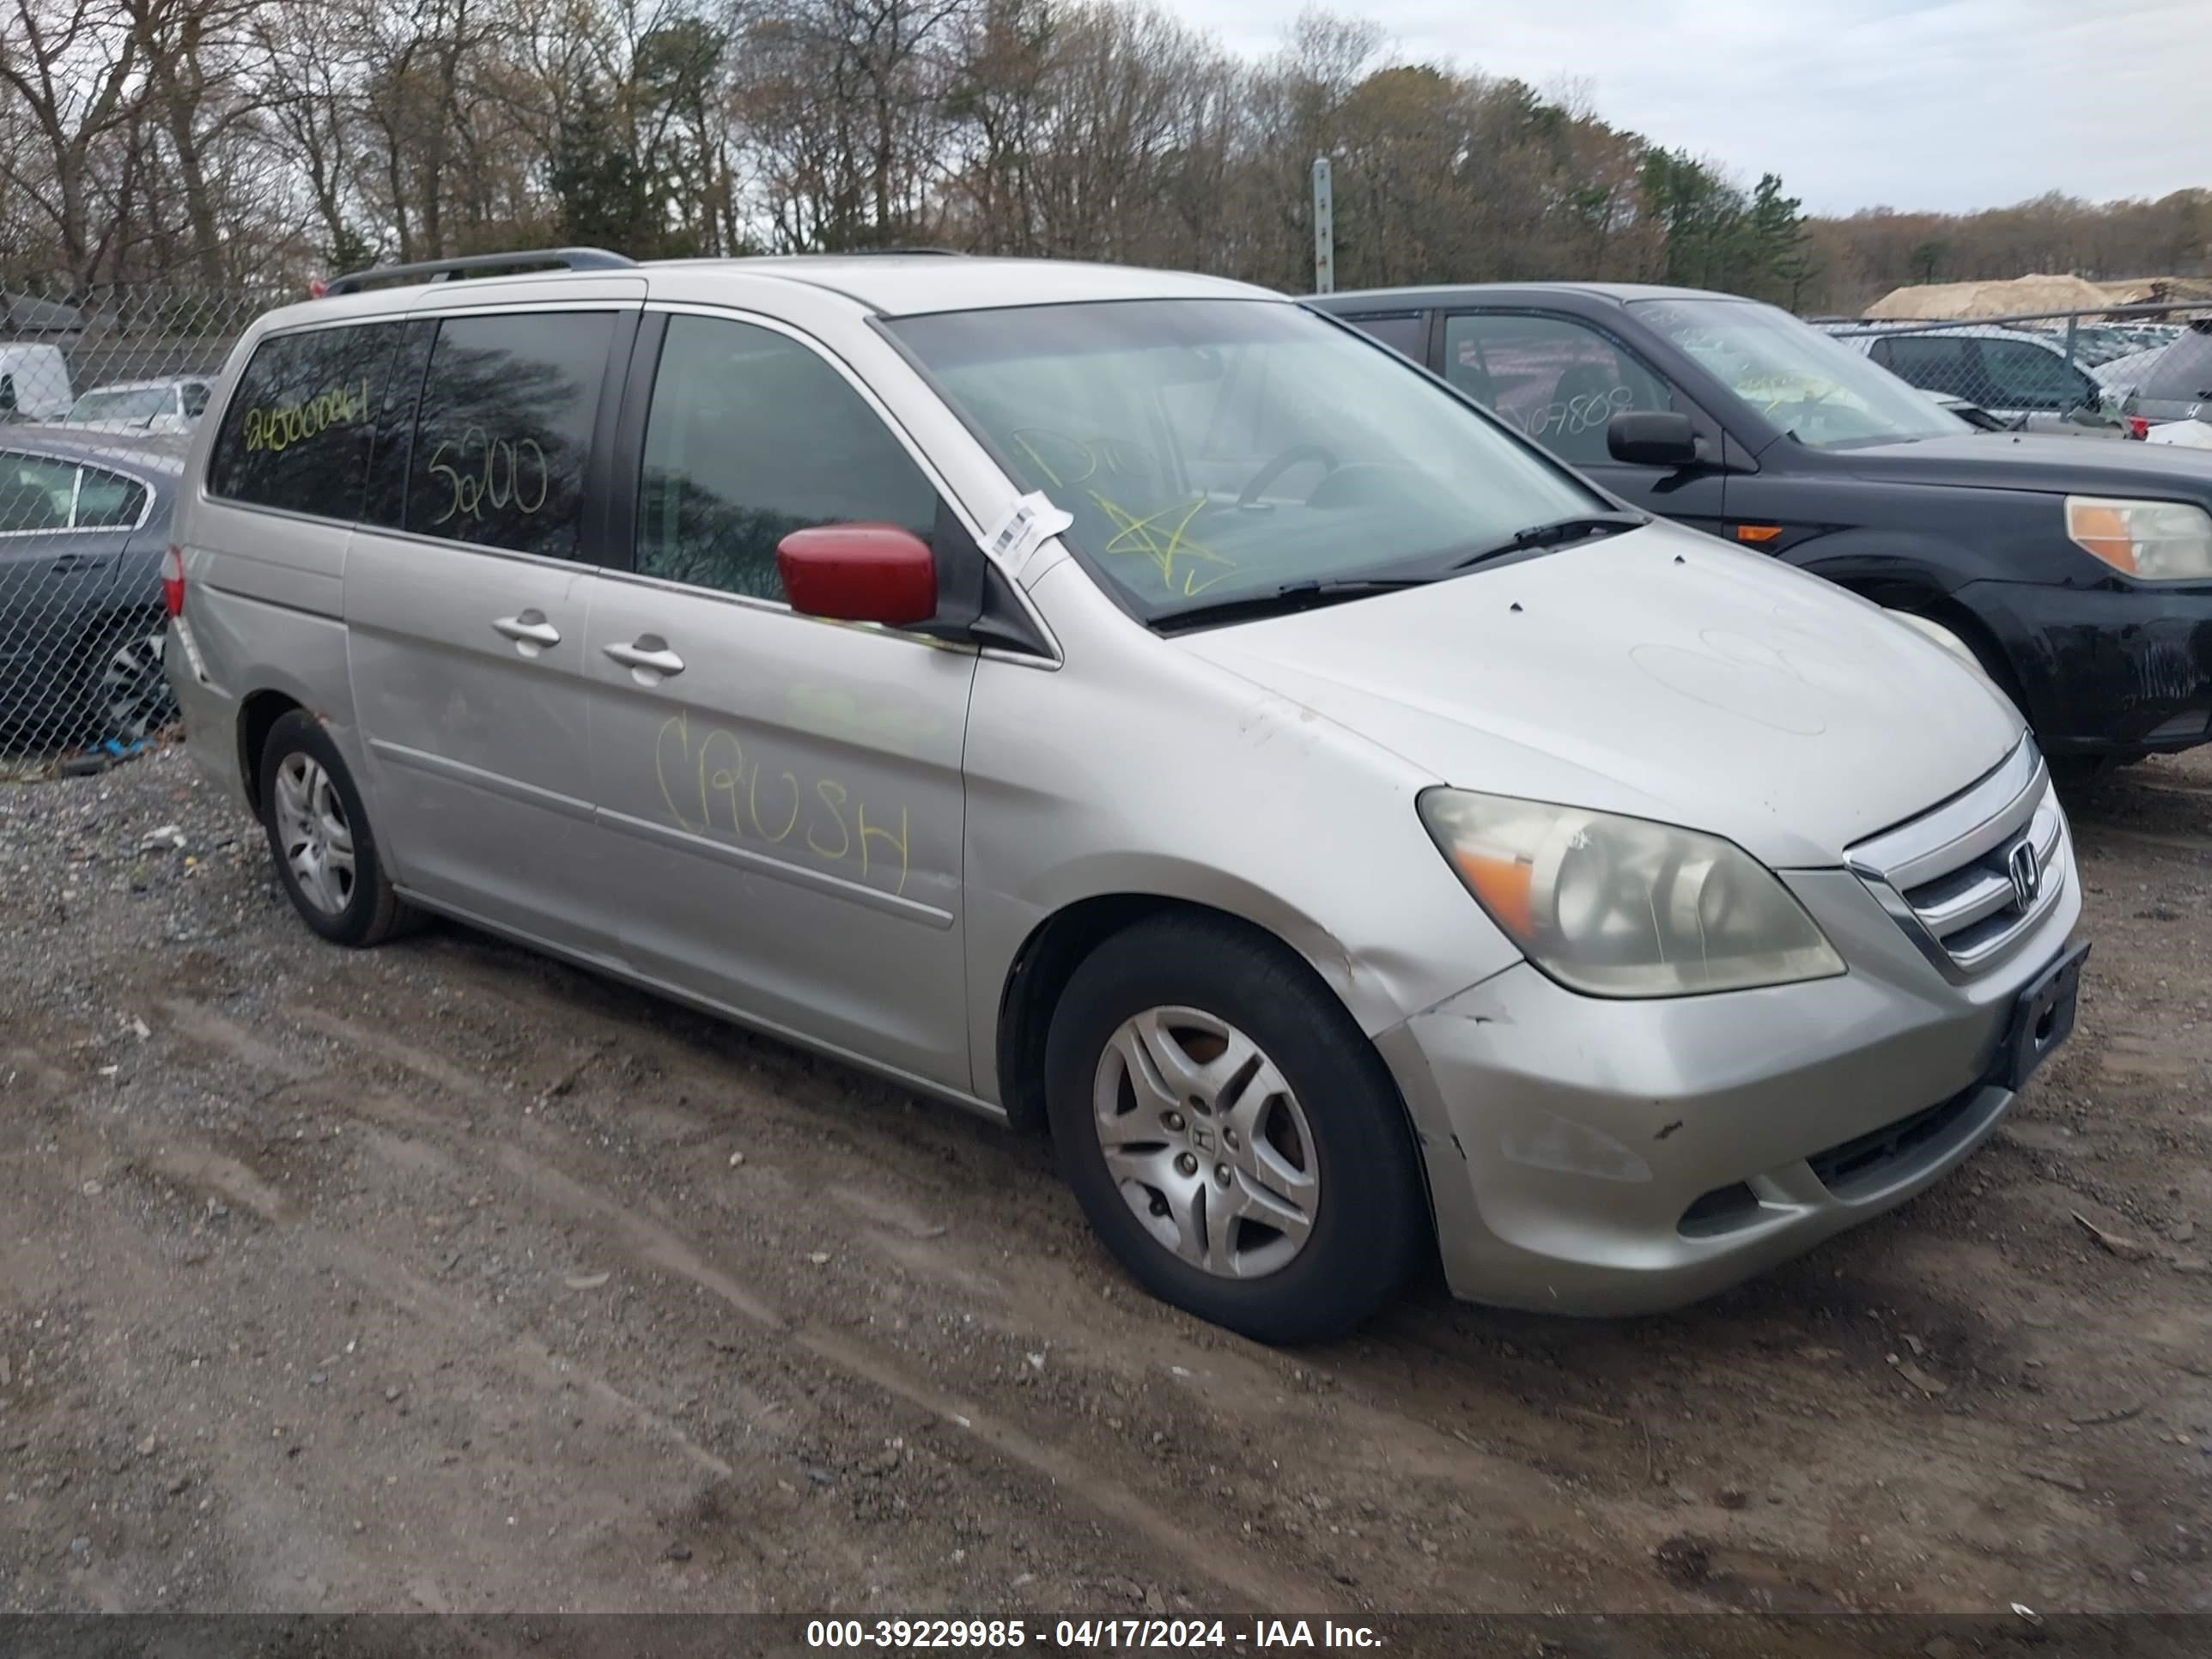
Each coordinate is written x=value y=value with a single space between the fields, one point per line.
x=2026 y=874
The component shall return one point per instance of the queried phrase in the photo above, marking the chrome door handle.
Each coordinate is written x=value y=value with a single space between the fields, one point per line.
x=648 y=654
x=530 y=627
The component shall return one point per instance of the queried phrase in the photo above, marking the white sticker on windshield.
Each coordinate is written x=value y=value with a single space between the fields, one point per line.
x=1028 y=524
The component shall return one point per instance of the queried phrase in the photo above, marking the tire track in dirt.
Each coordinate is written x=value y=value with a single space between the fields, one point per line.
x=1249 y=1580
x=1222 y=1374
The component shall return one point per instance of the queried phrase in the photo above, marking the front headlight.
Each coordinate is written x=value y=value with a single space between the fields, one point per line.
x=2152 y=541
x=1621 y=907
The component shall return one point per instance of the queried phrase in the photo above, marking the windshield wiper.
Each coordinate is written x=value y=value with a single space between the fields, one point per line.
x=1552 y=534
x=1291 y=596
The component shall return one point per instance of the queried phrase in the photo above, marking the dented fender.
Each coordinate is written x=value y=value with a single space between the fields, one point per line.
x=2113 y=669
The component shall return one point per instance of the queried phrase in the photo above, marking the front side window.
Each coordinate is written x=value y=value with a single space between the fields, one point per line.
x=504 y=430
x=1557 y=381
x=35 y=493
x=297 y=433
x=1406 y=333
x=752 y=436
x=1212 y=450
x=1817 y=389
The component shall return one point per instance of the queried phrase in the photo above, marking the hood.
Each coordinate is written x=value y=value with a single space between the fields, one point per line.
x=2053 y=462
x=1660 y=674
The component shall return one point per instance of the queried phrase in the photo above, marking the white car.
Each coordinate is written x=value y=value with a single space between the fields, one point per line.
x=141 y=406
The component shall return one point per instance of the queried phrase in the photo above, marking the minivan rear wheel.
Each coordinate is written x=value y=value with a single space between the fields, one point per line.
x=320 y=837
x=1230 y=1132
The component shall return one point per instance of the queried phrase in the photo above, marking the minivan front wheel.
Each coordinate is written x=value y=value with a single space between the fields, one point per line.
x=319 y=839
x=1230 y=1133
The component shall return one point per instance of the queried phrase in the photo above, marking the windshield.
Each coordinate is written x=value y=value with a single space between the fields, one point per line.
x=1820 y=392
x=1210 y=450
x=143 y=404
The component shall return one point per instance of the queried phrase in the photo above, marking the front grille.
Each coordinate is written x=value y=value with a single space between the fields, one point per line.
x=1968 y=879
x=1871 y=1159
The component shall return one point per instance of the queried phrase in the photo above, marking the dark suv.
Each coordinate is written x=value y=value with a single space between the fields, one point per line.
x=2078 y=576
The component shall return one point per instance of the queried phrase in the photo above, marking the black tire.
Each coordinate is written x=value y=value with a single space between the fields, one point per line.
x=1371 y=1214
x=126 y=694
x=371 y=911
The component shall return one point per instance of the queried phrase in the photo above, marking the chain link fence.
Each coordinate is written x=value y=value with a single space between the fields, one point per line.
x=2088 y=374
x=98 y=395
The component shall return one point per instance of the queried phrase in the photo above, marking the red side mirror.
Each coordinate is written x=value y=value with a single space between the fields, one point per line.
x=875 y=573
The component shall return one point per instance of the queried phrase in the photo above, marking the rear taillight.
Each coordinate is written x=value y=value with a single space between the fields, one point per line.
x=172 y=581
x=2137 y=426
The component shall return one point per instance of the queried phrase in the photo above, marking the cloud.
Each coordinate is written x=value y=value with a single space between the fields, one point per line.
x=1943 y=104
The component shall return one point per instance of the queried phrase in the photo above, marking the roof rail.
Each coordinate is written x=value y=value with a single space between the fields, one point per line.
x=439 y=271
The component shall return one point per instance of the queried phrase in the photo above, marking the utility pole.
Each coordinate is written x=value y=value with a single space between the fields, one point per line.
x=1324 y=217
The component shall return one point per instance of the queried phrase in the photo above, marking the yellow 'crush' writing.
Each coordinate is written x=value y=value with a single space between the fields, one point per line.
x=711 y=769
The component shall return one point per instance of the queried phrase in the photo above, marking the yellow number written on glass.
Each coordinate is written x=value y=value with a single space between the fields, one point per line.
x=501 y=478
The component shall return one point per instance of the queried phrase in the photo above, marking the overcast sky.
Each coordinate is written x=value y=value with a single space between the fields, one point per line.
x=1950 y=104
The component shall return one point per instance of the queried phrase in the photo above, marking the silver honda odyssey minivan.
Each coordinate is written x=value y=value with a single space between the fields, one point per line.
x=1131 y=704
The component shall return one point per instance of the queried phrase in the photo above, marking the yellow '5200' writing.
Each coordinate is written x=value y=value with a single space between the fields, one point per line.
x=277 y=429
x=709 y=785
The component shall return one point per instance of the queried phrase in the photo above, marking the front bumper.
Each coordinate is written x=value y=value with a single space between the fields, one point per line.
x=1595 y=1157
x=2122 y=672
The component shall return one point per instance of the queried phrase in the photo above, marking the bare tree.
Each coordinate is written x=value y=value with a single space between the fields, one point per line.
x=69 y=64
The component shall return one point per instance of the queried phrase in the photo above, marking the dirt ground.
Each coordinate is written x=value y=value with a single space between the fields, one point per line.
x=443 y=1277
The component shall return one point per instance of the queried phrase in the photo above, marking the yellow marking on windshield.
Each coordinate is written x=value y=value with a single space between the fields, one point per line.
x=1142 y=537
x=1042 y=466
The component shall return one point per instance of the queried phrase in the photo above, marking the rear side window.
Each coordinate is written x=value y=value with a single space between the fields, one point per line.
x=505 y=429
x=108 y=500
x=2183 y=373
x=1406 y=333
x=297 y=433
x=1936 y=363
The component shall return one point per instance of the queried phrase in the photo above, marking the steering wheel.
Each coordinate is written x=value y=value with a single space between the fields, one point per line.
x=1296 y=455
